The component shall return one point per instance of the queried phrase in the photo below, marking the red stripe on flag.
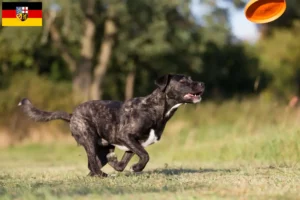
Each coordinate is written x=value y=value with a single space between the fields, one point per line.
x=31 y=13
x=8 y=13
x=35 y=14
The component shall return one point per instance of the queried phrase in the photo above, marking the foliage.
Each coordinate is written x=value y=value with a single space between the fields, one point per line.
x=154 y=37
x=281 y=57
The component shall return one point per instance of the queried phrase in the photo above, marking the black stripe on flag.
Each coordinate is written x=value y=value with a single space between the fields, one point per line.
x=30 y=5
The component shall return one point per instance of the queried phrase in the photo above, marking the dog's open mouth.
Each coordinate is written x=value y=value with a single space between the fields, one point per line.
x=195 y=97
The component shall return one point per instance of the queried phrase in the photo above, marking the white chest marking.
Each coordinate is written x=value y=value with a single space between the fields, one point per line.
x=151 y=140
x=174 y=107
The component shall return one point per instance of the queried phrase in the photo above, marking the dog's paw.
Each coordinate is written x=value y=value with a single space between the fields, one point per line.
x=101 y=175
x=136 y=168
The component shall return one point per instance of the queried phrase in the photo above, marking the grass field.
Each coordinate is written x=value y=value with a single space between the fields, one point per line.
x=230 y=151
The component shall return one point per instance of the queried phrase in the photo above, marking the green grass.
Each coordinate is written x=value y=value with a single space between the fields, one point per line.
x=52 y=179
x=70 y=182
x=246 y=150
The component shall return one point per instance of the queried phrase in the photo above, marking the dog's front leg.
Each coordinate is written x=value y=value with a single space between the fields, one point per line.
x=119 y=166
x=135 y=147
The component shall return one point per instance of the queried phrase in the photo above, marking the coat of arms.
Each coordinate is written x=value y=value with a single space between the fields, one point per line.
x=22 y=13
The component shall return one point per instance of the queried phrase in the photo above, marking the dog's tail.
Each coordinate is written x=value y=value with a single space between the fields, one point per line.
x=40 y=115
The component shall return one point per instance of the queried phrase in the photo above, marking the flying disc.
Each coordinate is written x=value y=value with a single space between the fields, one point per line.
x=264 y=11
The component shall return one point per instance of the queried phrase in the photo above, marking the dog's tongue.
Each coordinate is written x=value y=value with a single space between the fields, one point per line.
x=189 y=95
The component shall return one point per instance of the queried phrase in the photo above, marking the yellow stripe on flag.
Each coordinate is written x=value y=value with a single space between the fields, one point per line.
x=17 y=22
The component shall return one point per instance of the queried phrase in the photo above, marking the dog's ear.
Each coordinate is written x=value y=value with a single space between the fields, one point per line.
x=163 y=81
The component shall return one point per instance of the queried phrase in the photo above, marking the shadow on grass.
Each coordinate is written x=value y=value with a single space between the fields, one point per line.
x=178 y=171
x=81 y=189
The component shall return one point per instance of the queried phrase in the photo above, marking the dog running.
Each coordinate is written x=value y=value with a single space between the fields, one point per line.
x=102 y=125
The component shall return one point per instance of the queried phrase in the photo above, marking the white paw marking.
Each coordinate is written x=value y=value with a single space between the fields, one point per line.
x=111 y=155
x=130 y=169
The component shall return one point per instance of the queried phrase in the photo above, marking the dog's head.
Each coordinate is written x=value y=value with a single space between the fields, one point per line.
x=181 y=88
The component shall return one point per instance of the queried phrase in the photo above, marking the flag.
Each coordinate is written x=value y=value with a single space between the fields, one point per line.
x=22 y=14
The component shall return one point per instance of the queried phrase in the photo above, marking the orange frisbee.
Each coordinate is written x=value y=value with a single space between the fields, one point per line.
x=264 y=11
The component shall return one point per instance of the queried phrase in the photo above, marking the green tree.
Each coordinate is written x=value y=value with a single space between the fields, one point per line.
x=280 y=57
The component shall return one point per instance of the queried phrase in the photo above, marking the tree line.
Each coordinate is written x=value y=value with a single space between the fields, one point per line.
x=101 y=49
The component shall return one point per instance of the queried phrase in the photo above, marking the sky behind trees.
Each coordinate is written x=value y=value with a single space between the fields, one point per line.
x=241 y=27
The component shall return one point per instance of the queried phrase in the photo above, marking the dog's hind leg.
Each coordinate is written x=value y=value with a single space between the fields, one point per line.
x=94 y=163
x=86 y=136
x=119 y=166
x=102 y=152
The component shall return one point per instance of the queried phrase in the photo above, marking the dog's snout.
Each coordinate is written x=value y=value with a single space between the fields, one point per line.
x=201 y=84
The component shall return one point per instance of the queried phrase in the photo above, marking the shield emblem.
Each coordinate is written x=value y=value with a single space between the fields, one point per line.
x=22 y=13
